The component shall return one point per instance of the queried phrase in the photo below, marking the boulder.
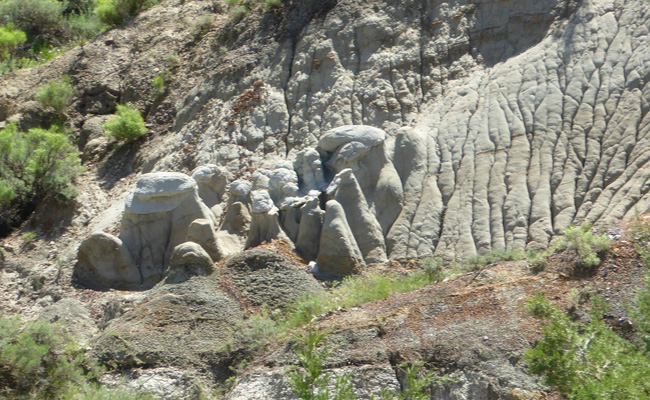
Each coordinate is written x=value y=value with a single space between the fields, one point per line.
x=363 y=224
x=104 y=262
x=202 y=231
x=338 y=253
x=212 y=181
x=188 y=259
x=309 y=168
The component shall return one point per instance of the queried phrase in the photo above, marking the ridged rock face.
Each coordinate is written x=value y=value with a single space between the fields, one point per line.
x=524 y=117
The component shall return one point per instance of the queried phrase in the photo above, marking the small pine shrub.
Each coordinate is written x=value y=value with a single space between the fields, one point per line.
x=57 y=94
x=309 y=381
x=159 y=84
x=588 y=361
x=10 y=39
x=37 y=360
x=127 y=124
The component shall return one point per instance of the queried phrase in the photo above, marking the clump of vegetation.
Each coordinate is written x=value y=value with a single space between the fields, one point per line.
x=590 y=361
x=309 y=381
x=241 y=8
x=57 y=94
x=579 y=242
x=433 y=268
x=127 y=124
x=355 y=290
x=39 y=361
x=418 y=382
x=36 y=165
x=10 y=39
x=36 y=31
x=159 y=84
x=115 y=12
x=586 y=246
x=479 y=261
x=640 y=232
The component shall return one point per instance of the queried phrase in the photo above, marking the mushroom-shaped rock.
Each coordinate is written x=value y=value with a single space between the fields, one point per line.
x=240 y=188
x=365 y=136
x=283 y=184
x=104 y=262
x=265 y=277
x=156 y=219
x=363 y=224
x=188 y=259
x=264 y=224
x=361 y=148
x=338 y=253
x=212 y=181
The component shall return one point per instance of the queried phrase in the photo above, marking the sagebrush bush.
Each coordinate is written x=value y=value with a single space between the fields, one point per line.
x=34 y=166
x=115 y=12
x=584 y=243
x=127 y=124
x=478 y=261
x=56 y=94
x=10 y=39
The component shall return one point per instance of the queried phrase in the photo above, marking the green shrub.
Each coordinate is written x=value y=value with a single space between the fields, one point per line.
x=584 y=244
x=57 y=94
x=309 y=381
x=479 y=261
x=10 y=38
x=127 y=124
x=34 y=166
x=39 y=361
x=588 y=361
x=433 y=268
x=84 y=26
x=41 y=20
x=115 y=12
x=159 y=84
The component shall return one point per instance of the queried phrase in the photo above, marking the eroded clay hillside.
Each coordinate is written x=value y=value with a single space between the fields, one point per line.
x=526 y=117
x=354 y=132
